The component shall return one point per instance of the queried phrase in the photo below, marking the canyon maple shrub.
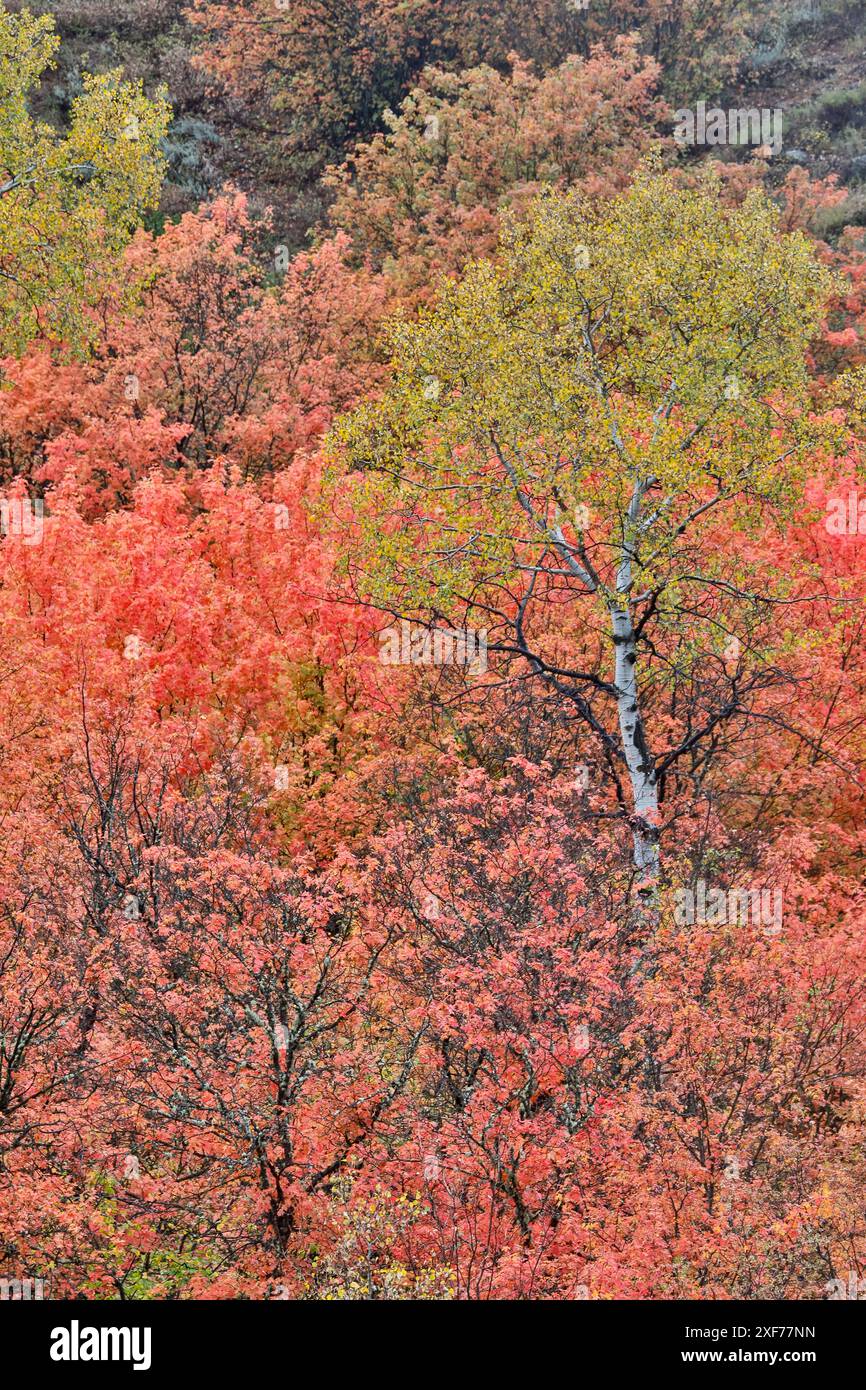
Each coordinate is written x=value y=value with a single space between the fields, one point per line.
x=427 y=195
x=201 y=357
x=725 y=1173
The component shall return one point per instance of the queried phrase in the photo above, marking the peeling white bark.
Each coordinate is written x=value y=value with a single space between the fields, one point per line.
x=638 y=759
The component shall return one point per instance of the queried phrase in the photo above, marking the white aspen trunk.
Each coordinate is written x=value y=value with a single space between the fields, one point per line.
x=638 y=759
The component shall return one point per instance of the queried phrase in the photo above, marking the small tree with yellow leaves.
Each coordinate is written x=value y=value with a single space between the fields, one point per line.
x=369 y=1258
x=68 y=203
